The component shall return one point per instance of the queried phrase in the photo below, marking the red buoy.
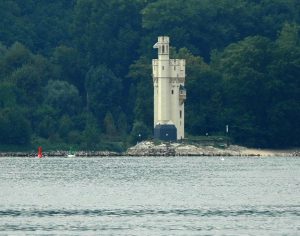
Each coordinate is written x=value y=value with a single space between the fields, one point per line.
x=40 y=154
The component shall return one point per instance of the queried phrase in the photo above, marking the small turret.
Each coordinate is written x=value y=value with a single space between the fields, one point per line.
x=163 y=46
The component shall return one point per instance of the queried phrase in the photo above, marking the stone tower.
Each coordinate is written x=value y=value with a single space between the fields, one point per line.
x=169 y=93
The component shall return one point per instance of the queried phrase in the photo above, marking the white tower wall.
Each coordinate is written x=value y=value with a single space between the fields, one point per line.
x=169 y=92
x=174 y=93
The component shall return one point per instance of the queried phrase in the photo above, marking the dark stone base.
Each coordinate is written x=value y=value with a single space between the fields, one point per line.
x=165 y=132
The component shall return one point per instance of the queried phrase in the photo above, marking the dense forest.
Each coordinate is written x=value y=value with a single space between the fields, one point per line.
x=78 y=72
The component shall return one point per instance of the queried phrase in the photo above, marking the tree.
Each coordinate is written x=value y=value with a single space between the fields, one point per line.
x=103 y=92
x=109 y=124
x=63 y=59
x=47 y=127
x=8 y=95
x=139 y=132
x=284 y=128
x=13 y=25
x=69 y=66
x=14 y=127
x=122 y=124
x=261 y=87
x=29 y=83
x=284 y=110
x=44 y=121
x=26 y=71
x=244 y=67
x=91 y=133
x=65 y=126
x=201 y=26
x=62 y=96
x=140 y=74
x=3 y=50
x=108 y=32
x=14 y=58
x=204 y=96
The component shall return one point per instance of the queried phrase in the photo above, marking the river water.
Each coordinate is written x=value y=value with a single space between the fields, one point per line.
x=150 y=196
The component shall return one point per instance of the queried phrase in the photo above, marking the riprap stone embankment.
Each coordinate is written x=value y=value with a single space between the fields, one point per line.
x=148 y=148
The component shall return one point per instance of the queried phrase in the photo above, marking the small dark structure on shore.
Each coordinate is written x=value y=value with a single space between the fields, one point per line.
x=165 y=132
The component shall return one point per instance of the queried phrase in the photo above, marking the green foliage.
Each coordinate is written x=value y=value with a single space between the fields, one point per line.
x=91 y=133
x=69 y=66
x=65 y=126
x=139 y=132
x=109 y=124
x=47 y=128
x=261 y=86
x=63 y=97
x=14 y=58
x=103 y=92
x=14 y=127
x=81 y=70
x=122 y=124
x=140 y=73
x=8 y=95
x=106 y=31
x=204 y=104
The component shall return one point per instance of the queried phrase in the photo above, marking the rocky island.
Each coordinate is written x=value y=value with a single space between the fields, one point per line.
x=151 y=148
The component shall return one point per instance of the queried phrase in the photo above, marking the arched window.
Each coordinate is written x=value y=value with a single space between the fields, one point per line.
x=163 y=49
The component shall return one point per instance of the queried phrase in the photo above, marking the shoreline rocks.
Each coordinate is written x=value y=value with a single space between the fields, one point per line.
x=60 y=154
x=149 y=148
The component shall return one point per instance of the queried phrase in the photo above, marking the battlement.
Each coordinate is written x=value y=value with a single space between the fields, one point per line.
x=177 y=68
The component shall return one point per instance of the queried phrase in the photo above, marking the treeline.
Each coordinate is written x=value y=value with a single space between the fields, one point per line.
x=78 y=72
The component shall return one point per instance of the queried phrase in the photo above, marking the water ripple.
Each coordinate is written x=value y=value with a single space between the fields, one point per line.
x=150 y=196
x=146 y=212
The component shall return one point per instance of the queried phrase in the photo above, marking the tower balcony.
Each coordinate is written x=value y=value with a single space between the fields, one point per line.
x=182 y=94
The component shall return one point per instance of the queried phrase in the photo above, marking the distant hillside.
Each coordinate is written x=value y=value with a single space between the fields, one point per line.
x=78 y=72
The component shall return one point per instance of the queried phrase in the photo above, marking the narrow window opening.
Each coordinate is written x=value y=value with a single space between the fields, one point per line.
x=172 y=91
x=163 y=67
x=163 y=49
x=180 y=114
